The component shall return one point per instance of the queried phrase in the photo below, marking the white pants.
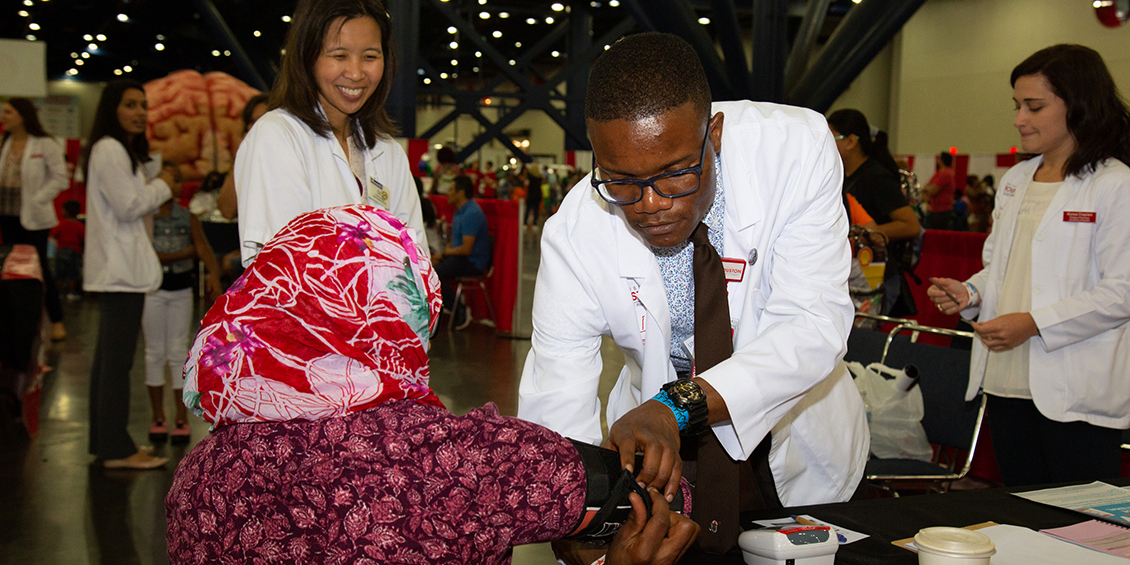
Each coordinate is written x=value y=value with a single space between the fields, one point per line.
x=165 y=322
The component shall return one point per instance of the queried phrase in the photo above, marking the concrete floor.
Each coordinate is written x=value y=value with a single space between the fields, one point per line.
x=55 y=507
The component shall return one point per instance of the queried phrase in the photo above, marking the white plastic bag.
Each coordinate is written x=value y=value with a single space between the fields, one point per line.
x=895 y=417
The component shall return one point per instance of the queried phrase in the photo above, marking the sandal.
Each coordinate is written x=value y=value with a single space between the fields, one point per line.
x=158 y=432
x=181 y=433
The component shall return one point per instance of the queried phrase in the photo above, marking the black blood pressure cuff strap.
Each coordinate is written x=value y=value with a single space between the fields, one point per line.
x=606 y=494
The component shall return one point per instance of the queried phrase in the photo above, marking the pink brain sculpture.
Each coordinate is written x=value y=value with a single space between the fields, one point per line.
x=195 y=121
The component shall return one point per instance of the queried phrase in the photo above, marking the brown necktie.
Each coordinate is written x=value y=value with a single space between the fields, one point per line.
x=720 y=485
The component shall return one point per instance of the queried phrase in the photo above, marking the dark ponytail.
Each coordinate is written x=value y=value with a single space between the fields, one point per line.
x=853 y=122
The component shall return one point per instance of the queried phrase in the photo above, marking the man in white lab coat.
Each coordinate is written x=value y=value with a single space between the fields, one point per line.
x=611 y=266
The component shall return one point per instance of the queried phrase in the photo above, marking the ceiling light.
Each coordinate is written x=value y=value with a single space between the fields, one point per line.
x=704 y=20
x=28 y=3
x=606 y=47
x=438 y=146
x=72 y=72
x=427 y=80
x=854 y=1
x=123 y=18
x=215 y=52
x=478 y=54
x=531 y=21
x=227 y=53
x=118 y=72
x=160 y=37
x=33 y=26
x=504 y=15
x=74 y=55
x=286 y=19
x=159 y=47
x=256 y=33
x=484 y=15
x=30 y=37
x=85 y=55
x=454 y=75
x=88 y=37
x=451 y=29
x=443 y=75
x=23 y=13
x=556 y=53
x=474 y=69
x=557 y=7
x=512 y=62
x=482 y=2
x=453 y=45
x=549 y=19
x=497 y=34
x=518 y=44
x=420 y=72
x=127 y=69
x=79 y=62
x=100 y=37
x=455 y=62
x=614 y=3
x=92 y=47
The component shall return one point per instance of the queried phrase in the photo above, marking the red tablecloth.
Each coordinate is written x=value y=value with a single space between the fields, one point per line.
x=504 y=224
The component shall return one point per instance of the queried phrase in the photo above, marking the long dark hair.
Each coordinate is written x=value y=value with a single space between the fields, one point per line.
x=296 y=90
x=1096 y=114
x=26 y=109
x=853 y=122
x=106 y=123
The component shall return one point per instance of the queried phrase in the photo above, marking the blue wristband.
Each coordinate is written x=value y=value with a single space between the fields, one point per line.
x=682 y=415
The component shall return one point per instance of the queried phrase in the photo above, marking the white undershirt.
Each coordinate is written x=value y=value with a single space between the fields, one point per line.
x=1007 y=371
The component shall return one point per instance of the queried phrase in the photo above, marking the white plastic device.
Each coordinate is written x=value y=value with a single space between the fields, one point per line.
x=790 y=545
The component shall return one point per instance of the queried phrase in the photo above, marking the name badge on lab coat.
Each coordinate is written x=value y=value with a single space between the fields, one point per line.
x=379 y=194
x=1080 y=217
x=735 y=269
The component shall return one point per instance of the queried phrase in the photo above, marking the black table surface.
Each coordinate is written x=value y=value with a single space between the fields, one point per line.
x=890 y=519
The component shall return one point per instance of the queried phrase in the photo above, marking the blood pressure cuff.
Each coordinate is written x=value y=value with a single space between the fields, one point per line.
x=606 y=498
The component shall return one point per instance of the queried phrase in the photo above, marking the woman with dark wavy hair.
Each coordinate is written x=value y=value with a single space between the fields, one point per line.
x=1054 y=296
x=32 y=173
x=328 y=140
x=120 y=264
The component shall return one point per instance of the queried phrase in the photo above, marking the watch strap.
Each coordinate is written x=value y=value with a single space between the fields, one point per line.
x=682 y=415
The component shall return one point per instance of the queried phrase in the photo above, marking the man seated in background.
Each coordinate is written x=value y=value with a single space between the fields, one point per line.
x=467 y=253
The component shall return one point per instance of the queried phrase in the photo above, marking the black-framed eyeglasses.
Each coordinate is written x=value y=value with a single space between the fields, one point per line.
x=672 y=184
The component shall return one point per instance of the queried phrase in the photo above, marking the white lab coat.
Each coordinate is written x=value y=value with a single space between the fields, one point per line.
x=1078 y=365
x=283 y=169
x=790 y=312
x=43 y=175
x=119 y=255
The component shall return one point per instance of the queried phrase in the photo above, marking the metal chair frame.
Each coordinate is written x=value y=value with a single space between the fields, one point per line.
x=480 y=280
x=941 y=481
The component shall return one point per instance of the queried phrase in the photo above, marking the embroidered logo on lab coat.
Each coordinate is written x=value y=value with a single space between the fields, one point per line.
x=379 y=194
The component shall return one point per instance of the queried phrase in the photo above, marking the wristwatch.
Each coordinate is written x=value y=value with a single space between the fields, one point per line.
x=686 y=395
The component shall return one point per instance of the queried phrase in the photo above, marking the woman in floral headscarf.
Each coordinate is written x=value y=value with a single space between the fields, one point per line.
x=329 y=447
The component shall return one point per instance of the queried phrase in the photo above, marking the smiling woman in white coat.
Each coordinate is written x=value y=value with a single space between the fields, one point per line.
x=1054 y=297
x=328 y=139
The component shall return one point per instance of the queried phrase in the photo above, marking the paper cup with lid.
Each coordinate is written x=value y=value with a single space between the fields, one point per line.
x=953 y=546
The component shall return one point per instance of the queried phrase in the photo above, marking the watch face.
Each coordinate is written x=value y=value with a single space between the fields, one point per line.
x=688 y=391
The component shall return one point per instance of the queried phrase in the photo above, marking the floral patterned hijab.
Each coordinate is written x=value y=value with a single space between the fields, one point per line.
x=331 y=318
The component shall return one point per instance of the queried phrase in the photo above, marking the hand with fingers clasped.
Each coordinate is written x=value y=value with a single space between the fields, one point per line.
x=659 y=540
x=651 y=428
x=1006 y=331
